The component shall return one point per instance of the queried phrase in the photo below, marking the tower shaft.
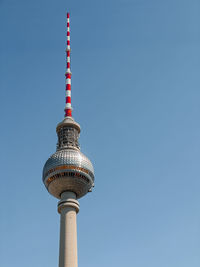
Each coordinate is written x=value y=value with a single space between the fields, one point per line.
x=68 y=207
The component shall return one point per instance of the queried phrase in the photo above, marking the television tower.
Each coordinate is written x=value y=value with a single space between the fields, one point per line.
x=68 y=174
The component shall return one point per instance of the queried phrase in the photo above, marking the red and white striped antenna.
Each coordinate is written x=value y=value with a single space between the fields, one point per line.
x=68 y=106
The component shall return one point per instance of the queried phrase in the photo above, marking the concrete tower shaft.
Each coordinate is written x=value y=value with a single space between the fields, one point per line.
x=68 y=206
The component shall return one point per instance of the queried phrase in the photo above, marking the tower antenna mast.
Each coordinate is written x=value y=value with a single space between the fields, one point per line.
x=68 y=74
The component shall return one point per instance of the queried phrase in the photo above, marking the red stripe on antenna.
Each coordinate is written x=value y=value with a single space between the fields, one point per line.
x=68 y=76
x=68 y=99
x=68 y=113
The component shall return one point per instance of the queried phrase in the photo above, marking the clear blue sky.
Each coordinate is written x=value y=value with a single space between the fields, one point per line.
x=136 y=94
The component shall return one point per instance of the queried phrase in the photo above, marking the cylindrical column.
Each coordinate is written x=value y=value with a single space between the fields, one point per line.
x=68 y=206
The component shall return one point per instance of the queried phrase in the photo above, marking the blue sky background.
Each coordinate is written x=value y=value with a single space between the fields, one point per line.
x=135 y=92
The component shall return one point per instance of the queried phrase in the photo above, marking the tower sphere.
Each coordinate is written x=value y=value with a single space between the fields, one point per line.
x=68 y=169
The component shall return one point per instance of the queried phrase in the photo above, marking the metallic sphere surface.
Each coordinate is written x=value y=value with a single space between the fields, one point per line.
x=68 y=170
